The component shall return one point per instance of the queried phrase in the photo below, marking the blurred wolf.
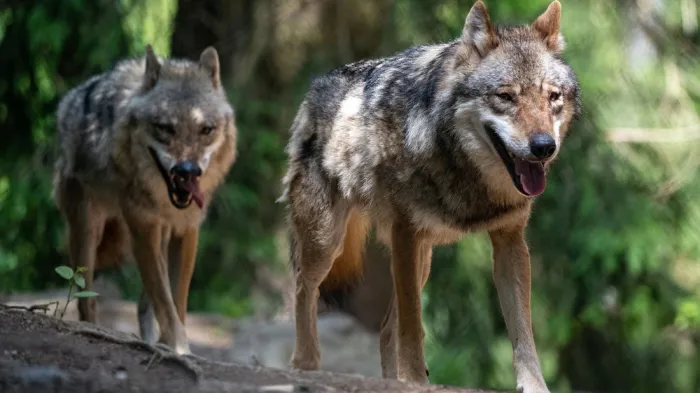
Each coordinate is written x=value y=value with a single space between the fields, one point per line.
x=138 y=145
x=427 y=145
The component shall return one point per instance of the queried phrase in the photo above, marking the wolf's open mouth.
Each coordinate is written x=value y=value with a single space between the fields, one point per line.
x=182 y=190
x=528 y=177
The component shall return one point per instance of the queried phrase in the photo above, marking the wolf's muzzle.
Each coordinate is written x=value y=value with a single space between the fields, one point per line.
x=542 y=145
x=186 y=169
x=528 y=176
x=182 y=182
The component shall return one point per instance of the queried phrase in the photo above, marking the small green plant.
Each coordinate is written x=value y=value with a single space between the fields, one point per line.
x=75 y=279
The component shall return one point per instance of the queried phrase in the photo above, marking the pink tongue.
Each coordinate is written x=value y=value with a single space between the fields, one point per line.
x=531 y=176
x=192 y=186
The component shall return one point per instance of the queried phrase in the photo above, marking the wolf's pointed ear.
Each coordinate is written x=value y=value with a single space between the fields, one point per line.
x=547 y=25
x=150 y=76
x=478 y=31
x=209 y=61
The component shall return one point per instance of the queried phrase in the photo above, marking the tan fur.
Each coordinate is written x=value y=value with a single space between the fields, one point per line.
x=425 y=144
x=347 y=267
x=116 y=130
x=511 y=273
x=113 y=247
x=188 y=250
x=548 y=26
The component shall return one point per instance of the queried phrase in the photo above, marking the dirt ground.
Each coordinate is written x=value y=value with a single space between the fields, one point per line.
x=42 y=354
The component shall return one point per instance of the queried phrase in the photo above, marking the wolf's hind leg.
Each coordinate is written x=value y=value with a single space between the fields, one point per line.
x=318 y=229
x=511 y=273
x=387 y=340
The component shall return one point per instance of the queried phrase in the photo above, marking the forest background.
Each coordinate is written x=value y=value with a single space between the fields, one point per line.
x=615 y=239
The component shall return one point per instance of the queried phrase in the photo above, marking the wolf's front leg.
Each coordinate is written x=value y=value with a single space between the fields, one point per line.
x=147 y=245
x=511 y=273
x=182 y=254
x=389 y=326
x=408 y=255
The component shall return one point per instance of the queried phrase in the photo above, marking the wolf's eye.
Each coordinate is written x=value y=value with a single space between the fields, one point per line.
x=554 y=96
x=505 y=97
x=206 y=130
x=164 y=128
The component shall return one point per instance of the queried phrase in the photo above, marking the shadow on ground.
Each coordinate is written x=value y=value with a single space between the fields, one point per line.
x=41 y=353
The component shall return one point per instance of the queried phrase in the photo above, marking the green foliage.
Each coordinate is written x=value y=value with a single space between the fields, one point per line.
x=46 y=47
x=75 y=279
x=149 y=22
x=613 y=240
x=603 y=235
x=240 y=232
x=43 y=52
x=85 y=294
x=65 y=271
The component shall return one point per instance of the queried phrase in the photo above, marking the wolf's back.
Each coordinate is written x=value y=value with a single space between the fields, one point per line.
x=310 y=135
x=312 y=125
x=86 y=117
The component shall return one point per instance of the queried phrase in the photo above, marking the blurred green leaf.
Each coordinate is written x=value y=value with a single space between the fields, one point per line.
x=79 y=281
x=65 y=272
x=85 y=294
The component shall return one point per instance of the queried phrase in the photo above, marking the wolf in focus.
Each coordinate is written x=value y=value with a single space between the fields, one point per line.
x=425 y=146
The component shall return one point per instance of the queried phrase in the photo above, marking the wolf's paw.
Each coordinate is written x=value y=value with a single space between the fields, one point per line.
x=180 y=349
x=529 y=379
x=531 y=389
x=162 y=352
x=306 y=363
x=416 y=379
x=419 y=376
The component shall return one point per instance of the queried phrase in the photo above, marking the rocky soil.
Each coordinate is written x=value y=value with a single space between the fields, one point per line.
x=40 y=353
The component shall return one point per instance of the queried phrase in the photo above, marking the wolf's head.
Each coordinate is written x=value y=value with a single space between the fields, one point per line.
x=181 y=116
x=516 y=92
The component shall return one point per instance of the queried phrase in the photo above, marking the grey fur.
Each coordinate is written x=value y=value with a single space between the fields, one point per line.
x=91 y=115
x=120 y=133
x=428 y=169
x=426 y=144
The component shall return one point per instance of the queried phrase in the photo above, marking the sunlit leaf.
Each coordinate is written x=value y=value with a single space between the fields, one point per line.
x=85 y=294
x=79 y=281
x=65 y=272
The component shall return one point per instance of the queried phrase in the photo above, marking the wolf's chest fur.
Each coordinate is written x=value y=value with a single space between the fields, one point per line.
x=429 y=144
x=381 y=134
x=105 y=143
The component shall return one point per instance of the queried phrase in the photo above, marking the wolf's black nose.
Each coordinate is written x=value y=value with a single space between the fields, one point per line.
x=542 y=145
x=186 y=169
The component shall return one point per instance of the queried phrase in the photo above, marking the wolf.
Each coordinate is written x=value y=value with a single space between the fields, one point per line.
x=142 y=149
x=425 y=146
